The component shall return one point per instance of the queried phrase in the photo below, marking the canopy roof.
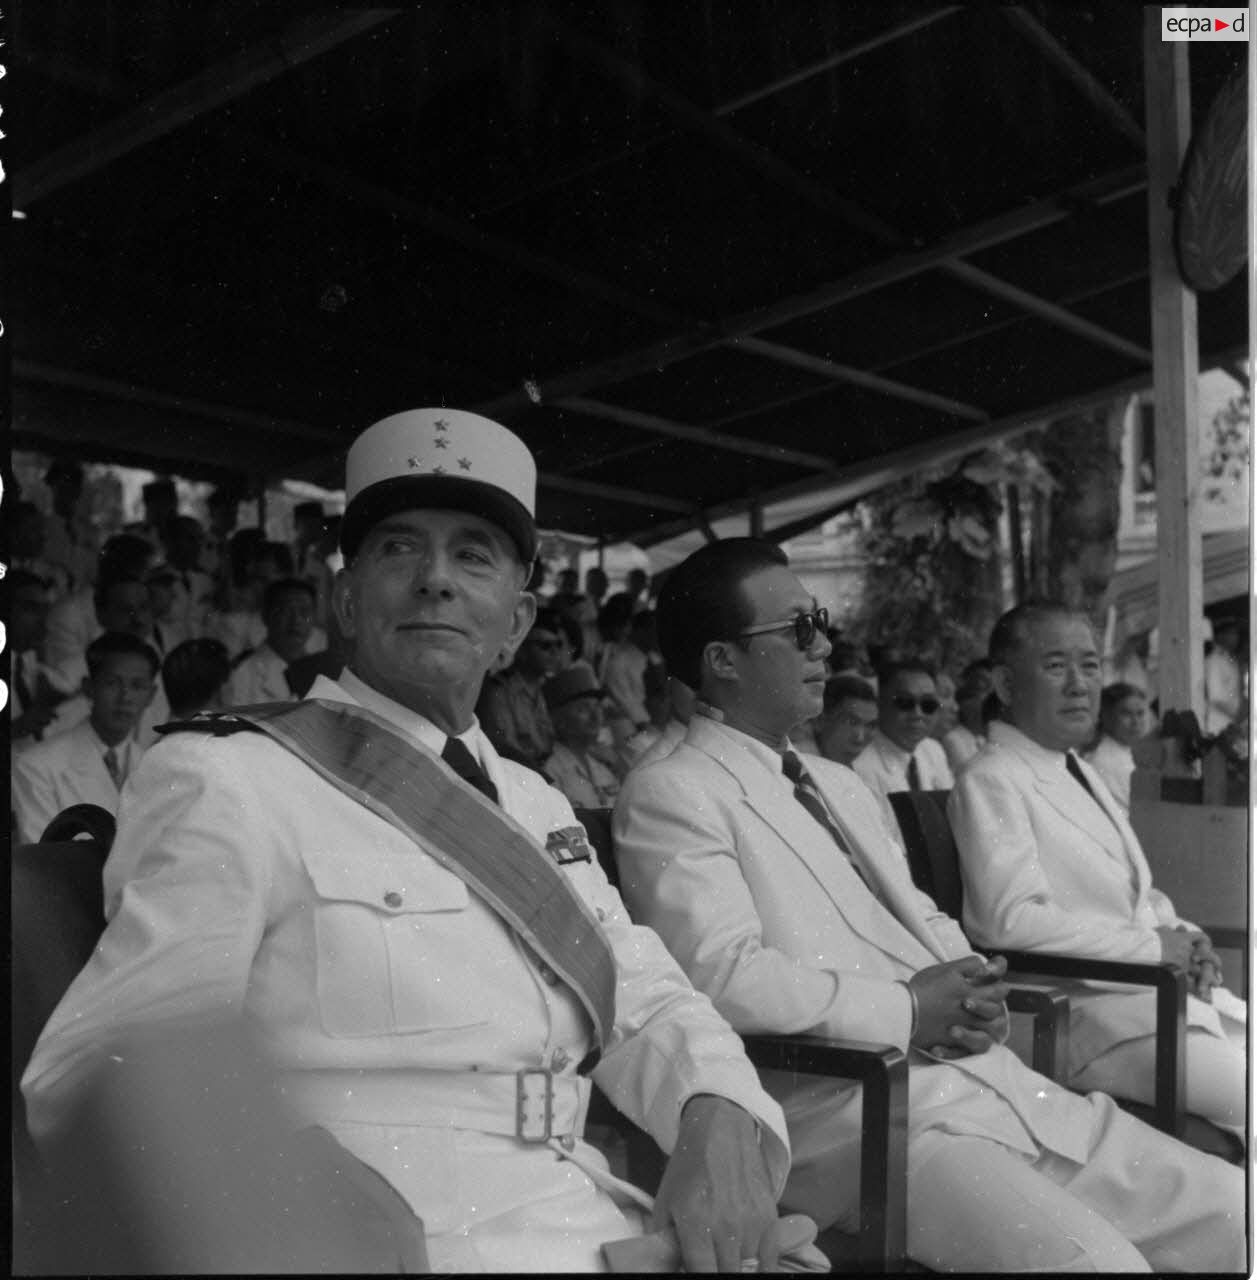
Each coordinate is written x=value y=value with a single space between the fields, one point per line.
x=698 y=254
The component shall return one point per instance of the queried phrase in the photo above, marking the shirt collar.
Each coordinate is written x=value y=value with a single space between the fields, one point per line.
x=409 y=722
x=769 y=758
x=891 y=750
x=1010 y=736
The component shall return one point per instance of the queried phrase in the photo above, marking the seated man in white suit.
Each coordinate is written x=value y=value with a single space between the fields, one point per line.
x=776 y=885
x=89 y=763
x=1050 y=863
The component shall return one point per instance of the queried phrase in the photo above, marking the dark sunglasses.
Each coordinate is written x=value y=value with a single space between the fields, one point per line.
x=906 y=702
x=805 y=625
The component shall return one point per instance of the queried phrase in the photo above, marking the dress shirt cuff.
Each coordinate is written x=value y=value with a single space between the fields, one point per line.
x=916 y=1012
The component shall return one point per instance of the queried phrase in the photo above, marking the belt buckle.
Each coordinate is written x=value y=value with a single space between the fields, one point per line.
x=533 y=1098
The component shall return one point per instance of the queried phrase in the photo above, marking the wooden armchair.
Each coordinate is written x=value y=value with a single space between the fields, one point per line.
x=935 y=864
x=882 y=1070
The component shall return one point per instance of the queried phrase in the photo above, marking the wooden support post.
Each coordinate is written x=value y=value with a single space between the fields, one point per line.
x=1175 y=373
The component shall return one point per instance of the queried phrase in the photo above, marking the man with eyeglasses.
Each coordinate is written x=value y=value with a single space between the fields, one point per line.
x=773 y=880
x=902 y=755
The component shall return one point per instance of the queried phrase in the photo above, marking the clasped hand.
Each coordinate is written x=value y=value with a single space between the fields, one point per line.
x=960 y=1006
x=1192 y=950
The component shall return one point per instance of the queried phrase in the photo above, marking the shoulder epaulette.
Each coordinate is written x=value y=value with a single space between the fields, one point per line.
x=219 y=723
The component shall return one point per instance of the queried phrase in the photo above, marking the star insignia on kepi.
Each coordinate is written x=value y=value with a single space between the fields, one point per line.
x=441 y=442
x=464 y=464
x=438 y=471
x=413 y=463
x=441 y=424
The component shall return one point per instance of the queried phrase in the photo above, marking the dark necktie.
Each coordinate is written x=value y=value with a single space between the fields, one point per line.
x=456 y=755
x=806 y=794
x=914 y=774
x=114 y=766
x=1071 y=763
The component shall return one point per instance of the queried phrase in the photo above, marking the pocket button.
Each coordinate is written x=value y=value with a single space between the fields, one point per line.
x=392 y=898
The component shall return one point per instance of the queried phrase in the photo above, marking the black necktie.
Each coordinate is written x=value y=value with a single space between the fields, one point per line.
x=806 y=794
x=914 y=774
x=456 y=755
x=1071 y=763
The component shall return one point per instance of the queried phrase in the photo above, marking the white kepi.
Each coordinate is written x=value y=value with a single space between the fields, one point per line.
x=440 y=458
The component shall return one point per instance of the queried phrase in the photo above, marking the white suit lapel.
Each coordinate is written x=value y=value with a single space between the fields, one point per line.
x=807 y=840
x=896 y=893
x=1130 y=847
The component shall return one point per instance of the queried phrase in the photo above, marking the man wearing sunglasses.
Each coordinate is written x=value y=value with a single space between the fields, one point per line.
x=773 y=880
x=902 y=755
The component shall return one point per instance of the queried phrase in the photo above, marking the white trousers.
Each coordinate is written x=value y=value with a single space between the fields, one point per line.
x=1142 y=1201
x=1216 y=1087
x=494 y=1204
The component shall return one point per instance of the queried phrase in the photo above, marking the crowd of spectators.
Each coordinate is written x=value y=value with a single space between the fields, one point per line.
x=221 y=613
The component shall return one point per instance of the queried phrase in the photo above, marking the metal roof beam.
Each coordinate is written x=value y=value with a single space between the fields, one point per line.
x=35 y=372
x=725 y=108
x=888 y=36
x=767 y=163
x=696 y=435
x=170 y=109
x=630 y=77
x=858 y=377
x=1049 y=311
x=1077 y=75
x=983 y=235
x=861 y=478
x=614 y=493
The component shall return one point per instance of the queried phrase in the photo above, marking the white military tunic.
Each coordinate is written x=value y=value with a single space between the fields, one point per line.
x=398 y=1005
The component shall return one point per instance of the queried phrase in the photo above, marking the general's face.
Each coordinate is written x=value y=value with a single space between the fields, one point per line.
x=1129 y=720
x=431 y=600
x=846 y=730
x=908 y=708
x=122 y=687
x=1051 y=686
x=127 y=608
x=780 y=686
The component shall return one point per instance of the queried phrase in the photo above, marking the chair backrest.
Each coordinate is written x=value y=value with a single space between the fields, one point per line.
x=931 y=848
x=597 y=824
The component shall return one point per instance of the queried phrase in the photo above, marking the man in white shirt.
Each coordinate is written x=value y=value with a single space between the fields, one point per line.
x=89 y=763
x=288 y=610
x=902 y=755
x=443 y=1037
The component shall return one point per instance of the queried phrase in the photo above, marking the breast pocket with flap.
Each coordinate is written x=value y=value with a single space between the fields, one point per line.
x=390 y=932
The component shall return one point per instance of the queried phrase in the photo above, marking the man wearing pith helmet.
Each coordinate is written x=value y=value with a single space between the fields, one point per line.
x=417 y=926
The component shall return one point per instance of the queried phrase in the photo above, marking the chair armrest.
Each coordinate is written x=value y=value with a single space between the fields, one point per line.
x=882 y=1070
x=1170 y=984
x=1049 y=1055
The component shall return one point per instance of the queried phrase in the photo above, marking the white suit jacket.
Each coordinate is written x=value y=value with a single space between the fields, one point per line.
x=241 y=881
x=768 y=916
x=61 y=771
x=1046 y=867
